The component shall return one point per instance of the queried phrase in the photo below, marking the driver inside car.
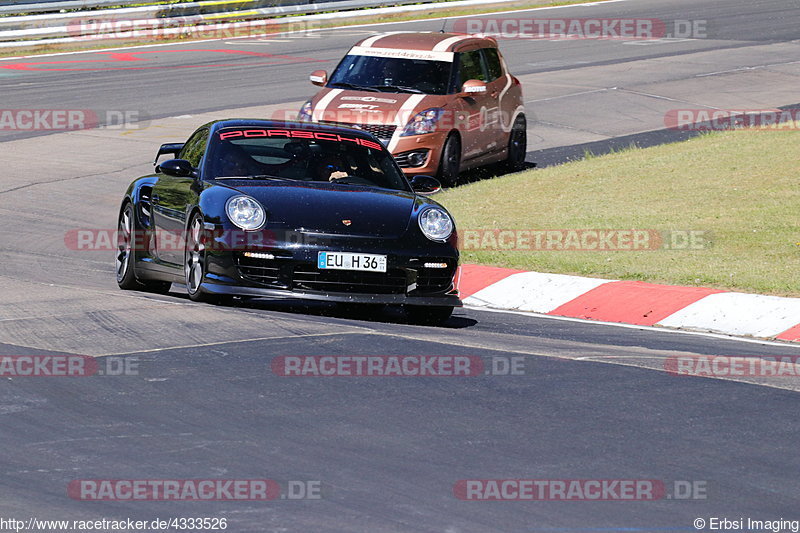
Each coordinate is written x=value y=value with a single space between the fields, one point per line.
x=330 y=167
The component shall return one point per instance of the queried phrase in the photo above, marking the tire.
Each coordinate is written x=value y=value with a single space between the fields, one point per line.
x=450 y=162
x=517 y=145
x=125 y=260
x=434 y=315
x=194 y=264
x=194 y=258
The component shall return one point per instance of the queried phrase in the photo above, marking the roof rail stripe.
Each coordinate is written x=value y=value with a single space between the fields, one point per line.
x=445 y=44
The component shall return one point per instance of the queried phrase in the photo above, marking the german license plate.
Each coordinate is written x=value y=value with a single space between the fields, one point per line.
x=351 y=261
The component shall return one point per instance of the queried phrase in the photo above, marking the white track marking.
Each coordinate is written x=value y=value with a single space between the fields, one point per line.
x=663 y=329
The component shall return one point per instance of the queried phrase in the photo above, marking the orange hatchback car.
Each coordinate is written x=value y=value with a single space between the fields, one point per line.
x=441 y=102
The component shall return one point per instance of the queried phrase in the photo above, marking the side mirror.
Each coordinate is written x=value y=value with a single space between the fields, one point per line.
x=319 y=77
x=180 y=168
x=172 y=149
x=472 y=87
x=423 y=184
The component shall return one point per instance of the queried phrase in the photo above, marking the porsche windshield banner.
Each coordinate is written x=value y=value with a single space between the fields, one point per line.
x=298 y=134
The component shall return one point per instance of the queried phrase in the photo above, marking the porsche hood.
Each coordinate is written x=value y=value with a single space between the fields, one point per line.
x=325 y=208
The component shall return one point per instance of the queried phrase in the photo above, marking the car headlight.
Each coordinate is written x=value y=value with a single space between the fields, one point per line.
x=423 y=122
x=305 y=112
x=245 y=212
x=436 y=224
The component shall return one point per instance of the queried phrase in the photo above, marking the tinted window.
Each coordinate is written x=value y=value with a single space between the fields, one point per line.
x=493 y=63
x=194 y=148
x=391 y=74
x=470 y=67
x=300 y=155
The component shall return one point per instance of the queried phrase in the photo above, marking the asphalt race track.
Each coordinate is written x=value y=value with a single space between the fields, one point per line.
x=576 y=91
x=201 y=400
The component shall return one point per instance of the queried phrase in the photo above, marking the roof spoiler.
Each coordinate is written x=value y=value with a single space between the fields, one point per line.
x=169 y=148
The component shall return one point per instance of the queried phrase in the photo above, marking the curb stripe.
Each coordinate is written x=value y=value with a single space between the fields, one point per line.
x=632 y=302
x=738 y=313
x=791 y=334
x=533 y=291
x=477 y=277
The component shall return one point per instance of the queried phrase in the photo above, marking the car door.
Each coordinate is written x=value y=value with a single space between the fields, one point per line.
x=171 y=196
x=474 y=138
x=496 y=137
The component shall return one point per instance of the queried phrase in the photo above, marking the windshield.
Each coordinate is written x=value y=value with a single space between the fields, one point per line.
x=301 y=155
x=391 y=74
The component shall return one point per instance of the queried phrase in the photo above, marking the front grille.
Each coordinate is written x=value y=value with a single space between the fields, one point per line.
x=435 y=279
x=402 y=160
x=259 y=270
x=349 y=281
x=283 y=272
x=383 y=132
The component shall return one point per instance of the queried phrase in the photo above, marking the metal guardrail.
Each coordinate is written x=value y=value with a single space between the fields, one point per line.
x=53 y=6
x=60 y=6
x=81 y=25
x=206 y=19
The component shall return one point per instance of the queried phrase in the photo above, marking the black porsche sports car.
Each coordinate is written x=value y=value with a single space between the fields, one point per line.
x=257 y=208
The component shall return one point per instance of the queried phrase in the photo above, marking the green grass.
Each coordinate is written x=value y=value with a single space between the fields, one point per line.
x=742 y=187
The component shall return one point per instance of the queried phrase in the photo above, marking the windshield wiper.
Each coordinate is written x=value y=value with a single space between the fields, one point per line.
x=397 y=88
x=354 y=86
x=252 y=177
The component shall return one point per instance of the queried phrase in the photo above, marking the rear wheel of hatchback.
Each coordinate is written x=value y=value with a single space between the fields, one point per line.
x=517 y=145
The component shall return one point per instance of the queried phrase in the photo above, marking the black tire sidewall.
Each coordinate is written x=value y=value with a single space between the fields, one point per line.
x=447 y=174
x=516 y=161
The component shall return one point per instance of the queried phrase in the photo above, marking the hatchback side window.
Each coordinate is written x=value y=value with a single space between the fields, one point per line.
x=493 y=63
x=195 y=147
x=470 y=67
